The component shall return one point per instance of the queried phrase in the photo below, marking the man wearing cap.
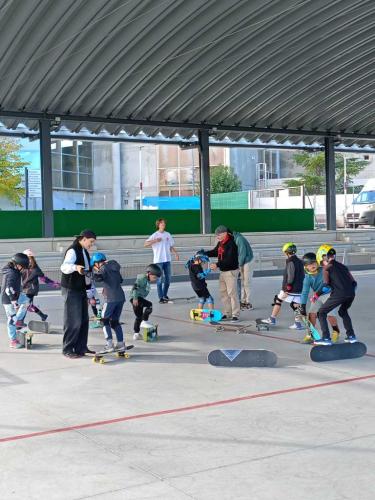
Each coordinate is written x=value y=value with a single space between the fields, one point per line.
x=74 y=284
x=227 y=253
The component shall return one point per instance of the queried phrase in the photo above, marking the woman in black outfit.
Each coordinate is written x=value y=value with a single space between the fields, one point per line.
x=74 y=284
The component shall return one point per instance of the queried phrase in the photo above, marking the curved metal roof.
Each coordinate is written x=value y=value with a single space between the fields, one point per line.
x=284 y=70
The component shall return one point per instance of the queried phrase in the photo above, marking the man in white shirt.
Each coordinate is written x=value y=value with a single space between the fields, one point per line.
x=162 y=244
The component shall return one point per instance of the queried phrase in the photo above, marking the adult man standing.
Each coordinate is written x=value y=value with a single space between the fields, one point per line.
x=245 y=262
x=227 y=253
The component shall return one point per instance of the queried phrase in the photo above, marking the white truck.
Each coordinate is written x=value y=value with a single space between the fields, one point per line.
x=362 y=210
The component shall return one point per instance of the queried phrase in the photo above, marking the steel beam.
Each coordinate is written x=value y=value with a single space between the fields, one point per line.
x=204 y=176
x=46 y=177
x=329 y=154
x=185 y=125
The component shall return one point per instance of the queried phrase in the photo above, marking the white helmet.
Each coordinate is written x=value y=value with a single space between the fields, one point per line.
x=28 y=252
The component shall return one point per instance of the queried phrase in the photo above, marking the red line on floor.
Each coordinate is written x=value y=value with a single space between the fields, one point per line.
x=183 y=408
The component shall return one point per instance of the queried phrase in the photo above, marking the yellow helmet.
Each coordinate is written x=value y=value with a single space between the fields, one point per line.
x=323 y=251
x=289 y=248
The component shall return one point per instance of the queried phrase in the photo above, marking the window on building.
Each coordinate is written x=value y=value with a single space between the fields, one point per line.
x=72 y=165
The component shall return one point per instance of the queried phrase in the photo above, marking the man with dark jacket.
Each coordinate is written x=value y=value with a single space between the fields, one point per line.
x=245 y=263
x=227 y=253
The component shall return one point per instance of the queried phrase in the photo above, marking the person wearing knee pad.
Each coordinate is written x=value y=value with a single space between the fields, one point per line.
x=108 y=273
x=143 y=308
x=313 y=281
x=291 y=287
x=338 y=277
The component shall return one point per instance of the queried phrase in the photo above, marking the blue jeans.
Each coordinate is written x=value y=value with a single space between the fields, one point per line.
x=111 y=320
x=13 y=315
x=164 y=281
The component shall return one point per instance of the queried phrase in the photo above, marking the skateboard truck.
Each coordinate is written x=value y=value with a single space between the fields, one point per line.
x=261 y=326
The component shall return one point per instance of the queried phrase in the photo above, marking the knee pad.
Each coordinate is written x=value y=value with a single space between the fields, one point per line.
x=106 y=321
x=294 y=306
x=276 y=301
x=114 y=323
x=148 y=310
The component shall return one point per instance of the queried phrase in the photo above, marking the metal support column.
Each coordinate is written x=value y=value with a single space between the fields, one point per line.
x=46 y=177
x=329 y=153
x=204 y=175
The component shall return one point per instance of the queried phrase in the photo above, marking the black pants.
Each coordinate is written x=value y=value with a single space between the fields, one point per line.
x=142 y=312
x=76 y=321
x=332 y=303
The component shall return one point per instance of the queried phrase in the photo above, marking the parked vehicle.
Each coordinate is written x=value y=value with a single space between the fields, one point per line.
x=362 y=210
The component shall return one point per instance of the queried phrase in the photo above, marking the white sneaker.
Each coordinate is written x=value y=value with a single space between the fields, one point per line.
x=137 y=336
x=109 y=346
x=146 y=324
x=120 y=346
x=297 y=326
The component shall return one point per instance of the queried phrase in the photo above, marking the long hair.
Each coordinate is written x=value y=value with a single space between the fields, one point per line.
x=32 y=262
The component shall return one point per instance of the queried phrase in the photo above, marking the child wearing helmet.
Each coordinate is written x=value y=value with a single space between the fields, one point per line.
x=11 y=295
x=338 y=277
x=107 y=272
x=143 y=308
x=197 y=277
x=314 y=281
x=291 y=287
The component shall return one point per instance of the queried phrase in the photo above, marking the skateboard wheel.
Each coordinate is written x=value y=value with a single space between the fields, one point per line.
x=102 y=361
x=126 y=355
x=93 y=360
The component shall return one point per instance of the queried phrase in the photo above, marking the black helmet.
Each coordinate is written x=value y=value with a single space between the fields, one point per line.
x=309 y=258
x=21 y=259
x=154 y=269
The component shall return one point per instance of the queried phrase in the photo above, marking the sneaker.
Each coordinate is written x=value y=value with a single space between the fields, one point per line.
x=44 y=317
x=20 y=324
x=72 y=355
x=225 y=318
x=137 y=336
x=163 y=301
x=323 y=341
x=351 y=339
x=14 y=344
x=269 y=321
x=249 y=306
x=307 y=339
x=120 y=346
x=243 y=305
x=89 y=351
x=234 y=319
x=297 y=326
x=335 y=336
x=146 y=324
x=109 y=346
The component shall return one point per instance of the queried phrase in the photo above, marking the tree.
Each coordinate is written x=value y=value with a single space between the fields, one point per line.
x=224 y=180
x=11 y=166
x=313 y=177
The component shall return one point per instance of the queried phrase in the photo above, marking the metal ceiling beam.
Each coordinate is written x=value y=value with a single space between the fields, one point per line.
x=185 y=125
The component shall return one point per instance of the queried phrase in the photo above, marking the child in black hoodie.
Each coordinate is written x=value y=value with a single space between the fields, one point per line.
x=10 y=293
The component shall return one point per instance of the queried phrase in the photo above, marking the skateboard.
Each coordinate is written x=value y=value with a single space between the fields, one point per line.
x=150 y=334
x=181 y=299
x=311 y=328
x=210 y=315
x=261 y=326
x=334 y=352
x=233 y=327
x=95 y=324
x=38 y=326
x=25 y=335
x=242 y=358
x=100 y=357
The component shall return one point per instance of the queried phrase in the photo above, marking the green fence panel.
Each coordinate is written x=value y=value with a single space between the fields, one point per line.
x=265 y=220
x=125 y=222
x=230 y=200
x=20 y=224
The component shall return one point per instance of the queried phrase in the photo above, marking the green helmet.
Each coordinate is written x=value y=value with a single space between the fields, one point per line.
x=325 y=250
x=289 y=248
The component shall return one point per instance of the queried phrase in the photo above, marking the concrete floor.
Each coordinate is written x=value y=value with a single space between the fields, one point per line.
x=166 y=425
